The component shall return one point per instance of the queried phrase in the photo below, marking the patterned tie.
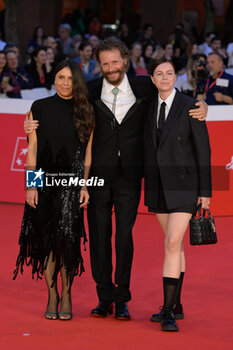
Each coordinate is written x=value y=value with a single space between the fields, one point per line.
x=115 y=92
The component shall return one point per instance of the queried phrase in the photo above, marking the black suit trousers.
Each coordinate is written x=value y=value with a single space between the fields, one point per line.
x=124 y=195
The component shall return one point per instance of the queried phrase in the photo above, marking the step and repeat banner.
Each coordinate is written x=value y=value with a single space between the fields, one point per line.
x=13 y=148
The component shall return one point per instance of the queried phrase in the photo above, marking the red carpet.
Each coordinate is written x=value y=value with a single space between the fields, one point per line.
x=207 y=298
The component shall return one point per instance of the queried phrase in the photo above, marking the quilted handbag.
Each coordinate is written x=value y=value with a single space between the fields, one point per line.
x=202 y=229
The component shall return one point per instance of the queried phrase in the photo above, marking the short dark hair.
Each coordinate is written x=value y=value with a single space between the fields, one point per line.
x=83 y=45
x=147 y=25
x=9 y=46
x=215 y=38
x=202 y=55
x=112 y=44
x=160 y=61
x=209 y=33
x=10 y=51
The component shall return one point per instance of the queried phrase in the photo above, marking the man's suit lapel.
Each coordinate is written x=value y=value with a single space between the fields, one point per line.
x=175 y=110
x=139 y=100
x=96 y=98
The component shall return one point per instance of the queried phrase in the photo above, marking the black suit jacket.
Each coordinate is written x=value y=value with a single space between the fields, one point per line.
x=126 y=137
x=182 y=156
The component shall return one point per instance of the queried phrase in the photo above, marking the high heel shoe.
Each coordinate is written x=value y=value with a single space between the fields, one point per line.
x=65 y=315
x=52 y=315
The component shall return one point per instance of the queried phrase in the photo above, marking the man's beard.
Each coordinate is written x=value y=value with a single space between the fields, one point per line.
x=118 y=79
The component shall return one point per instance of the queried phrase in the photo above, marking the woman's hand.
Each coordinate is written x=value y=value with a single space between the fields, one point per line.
x=205 y=202
x=32 y=197
x=84 y=197
x=30 y=125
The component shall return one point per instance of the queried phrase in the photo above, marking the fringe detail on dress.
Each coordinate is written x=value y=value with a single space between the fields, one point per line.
x=56 y=226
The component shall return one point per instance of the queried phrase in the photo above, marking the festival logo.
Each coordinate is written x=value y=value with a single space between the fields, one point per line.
x=20 y=154
x=229 y=166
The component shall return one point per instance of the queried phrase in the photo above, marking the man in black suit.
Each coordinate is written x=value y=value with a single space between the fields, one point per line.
x=117 y=157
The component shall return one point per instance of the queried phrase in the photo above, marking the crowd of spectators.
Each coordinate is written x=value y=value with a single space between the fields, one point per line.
x=201 y=66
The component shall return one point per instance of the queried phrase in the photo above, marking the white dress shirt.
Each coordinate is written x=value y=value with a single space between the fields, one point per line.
x=168 y=101
x=124 y=101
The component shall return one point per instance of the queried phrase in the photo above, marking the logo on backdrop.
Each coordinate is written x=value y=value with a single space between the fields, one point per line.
x=229 y=166
x=34 y=178
x=20 y=154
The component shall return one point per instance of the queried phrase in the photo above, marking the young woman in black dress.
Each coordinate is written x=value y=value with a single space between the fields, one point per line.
x=52 y=224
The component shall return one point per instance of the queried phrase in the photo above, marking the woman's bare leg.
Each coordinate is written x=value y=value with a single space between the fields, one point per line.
x=174 y=260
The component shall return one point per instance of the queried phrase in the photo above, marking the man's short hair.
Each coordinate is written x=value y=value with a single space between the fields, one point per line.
x=112 y=44
x=66 y=26
x=210 y=33
x=216 y=54
x=9 y=46
x=11 y=51
x=215 y=38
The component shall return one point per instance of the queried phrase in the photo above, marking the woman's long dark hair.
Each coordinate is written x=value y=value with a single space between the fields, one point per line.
x=83 y=110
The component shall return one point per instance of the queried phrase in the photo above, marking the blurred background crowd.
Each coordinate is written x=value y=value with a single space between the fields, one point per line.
x=203 y=59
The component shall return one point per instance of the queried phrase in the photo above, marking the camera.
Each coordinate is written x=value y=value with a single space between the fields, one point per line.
x=201 y=64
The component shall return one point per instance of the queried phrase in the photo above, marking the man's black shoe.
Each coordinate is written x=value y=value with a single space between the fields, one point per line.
x=122 y=311
x=104 y=308
x=168 y=322
x=177 y=312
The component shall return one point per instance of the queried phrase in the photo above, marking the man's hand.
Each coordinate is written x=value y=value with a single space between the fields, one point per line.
x=199 y=113
x=30 y=125
x=218 y=96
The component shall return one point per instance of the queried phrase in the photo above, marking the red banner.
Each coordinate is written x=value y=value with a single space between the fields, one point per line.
x=13 y=146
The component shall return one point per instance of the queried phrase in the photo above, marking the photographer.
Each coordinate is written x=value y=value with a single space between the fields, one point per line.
x=218 y=87
x=196 y=76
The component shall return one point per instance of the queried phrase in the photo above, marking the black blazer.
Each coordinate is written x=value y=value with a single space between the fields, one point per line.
x=126 y=137
x=182 y=156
